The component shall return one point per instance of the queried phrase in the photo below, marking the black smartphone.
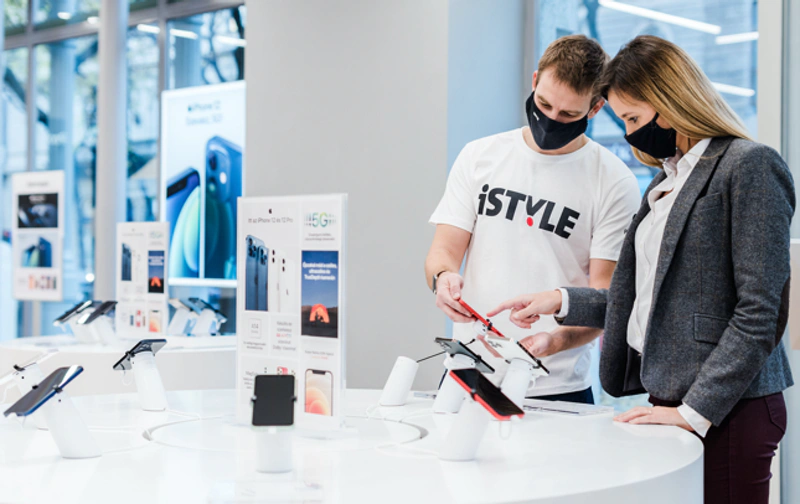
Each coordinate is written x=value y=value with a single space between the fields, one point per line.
x=273 y=400
x=145 y=345
x=42 y=392
x=486 y=394
x=202 y=305
x=98 y=312
x=72 y=311
x=455 y=347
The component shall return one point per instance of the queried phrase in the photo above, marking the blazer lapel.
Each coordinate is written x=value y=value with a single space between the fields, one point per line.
x=682 y=207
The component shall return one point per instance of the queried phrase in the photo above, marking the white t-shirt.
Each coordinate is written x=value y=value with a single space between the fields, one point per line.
x=535 y=220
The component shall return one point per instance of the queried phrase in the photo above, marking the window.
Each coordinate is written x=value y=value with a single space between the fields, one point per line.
x=16 y=16
x=58 y=12
x=207 y=48
x=720 y=35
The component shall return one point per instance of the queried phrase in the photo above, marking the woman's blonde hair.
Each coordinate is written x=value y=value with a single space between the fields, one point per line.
x=658 y=72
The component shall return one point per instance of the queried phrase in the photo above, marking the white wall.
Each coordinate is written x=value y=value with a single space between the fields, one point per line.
x=352 y=96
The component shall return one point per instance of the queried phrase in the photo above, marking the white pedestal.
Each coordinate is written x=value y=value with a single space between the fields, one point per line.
x=451 y=394
x=462 y=442
x=68 y=428
x=181 y=322
x=148 y=382
x=273 y=449
x=517 y=380
x=206 y=324
x=398 y=385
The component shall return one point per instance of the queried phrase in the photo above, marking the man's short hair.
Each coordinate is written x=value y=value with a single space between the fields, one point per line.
x=577 y=61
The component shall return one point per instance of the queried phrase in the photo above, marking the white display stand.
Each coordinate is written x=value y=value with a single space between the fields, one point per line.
x=98 y=331
x=398 y=385
x=451 y=395
x=207 y=323
x=68 y=429
x=149 y=387
x=466 y=434
x=202 y=456
x=273 y=449
x=182 y=321
x=517 y=380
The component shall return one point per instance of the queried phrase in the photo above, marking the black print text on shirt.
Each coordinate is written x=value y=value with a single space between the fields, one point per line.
x=498 y=197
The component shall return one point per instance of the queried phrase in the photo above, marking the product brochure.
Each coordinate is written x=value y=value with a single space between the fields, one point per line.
x=291 y=302
x=38 y=235
x=142 y=278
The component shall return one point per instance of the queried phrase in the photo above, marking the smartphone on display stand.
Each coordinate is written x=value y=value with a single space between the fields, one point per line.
x=223 y=188
x=486 y=394
x=319 y=392
x=183 y=215
x=71 y=312
x=145 y=345
x=46 y=389
x=273 y=400
x=454 y=347
x=103 y=309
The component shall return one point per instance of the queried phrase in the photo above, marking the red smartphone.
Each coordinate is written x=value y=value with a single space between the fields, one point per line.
x=487 y=323
x=486 y=394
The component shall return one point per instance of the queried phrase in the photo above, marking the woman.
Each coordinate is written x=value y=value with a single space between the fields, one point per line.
x=698 y=301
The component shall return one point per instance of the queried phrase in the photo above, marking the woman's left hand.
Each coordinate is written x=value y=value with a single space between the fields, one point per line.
x=657 y=415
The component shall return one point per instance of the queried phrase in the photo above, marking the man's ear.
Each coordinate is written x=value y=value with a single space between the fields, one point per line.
x=533 y=80
x=596 y=108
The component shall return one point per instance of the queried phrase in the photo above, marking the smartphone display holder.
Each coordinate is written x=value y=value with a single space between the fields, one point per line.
x=68 y=429
x=99 y=330
x=519 y=377
x=398 y=385
x=149 y=386
x=207 y=323
x=182 y=321
x=465 y=436
x=141 y=360
x=273 y=449
x=451 y=395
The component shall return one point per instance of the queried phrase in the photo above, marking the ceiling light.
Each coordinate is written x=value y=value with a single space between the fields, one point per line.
x=660 y=16
x=734 y=90
x=737 y=37
x=148 y=28
x=222 y=39
x=184 y=34
x=64 y=15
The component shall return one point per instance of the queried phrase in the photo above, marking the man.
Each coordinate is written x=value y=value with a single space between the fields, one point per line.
x=536 y=208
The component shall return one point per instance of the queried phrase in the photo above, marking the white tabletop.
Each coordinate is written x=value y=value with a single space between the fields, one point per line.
x=185 y=363
x=195 y=453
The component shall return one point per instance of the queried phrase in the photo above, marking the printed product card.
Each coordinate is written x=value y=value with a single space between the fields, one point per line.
x=291 y=302
x=203 y=132
x=38 y=235
x=142 y=278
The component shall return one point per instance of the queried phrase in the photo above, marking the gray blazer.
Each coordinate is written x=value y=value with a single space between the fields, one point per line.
x=713 y=335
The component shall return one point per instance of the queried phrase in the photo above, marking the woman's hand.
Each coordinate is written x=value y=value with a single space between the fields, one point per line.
x=525 y=309
x=542 y=344
x=658 y=415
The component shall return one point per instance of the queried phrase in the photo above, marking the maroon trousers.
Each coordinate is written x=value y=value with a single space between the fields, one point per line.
x=739 y=452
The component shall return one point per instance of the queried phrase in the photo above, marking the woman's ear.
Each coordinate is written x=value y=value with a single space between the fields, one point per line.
x=662 y=122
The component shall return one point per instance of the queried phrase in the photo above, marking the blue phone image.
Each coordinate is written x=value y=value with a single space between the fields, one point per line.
x=183 y=215
x=263 y=277
x=126 y=263
x=223 y=187
x=253 y=250
x=45 y=390
x=45 y=253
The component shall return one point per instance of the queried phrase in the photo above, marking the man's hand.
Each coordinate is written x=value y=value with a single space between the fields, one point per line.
x=448 y=292
x=525 y=309
x=657 y=415
x=542 y=344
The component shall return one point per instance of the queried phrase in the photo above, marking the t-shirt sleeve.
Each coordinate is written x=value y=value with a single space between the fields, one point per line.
x=457 y=206
x=616 y=212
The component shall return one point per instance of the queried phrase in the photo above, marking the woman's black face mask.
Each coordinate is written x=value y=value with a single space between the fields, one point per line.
x=550 y=134
x=654 y=140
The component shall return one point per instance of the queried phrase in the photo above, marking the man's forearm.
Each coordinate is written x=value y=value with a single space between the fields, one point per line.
x=438 y=261
x=568 y=338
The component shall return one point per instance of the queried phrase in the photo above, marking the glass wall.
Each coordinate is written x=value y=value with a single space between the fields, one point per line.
x=721 y=35
x=206 y=47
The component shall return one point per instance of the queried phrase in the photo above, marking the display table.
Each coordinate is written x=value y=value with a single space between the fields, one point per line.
x=185 y=363
x=195 y=453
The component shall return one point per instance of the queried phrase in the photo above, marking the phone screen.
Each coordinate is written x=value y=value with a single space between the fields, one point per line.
x=183 y=215
x=34 y=399
x=486 y=393
x=455 y=347
x=273 y=402
x=154 y=321
x=72 y=311
x=319 y=392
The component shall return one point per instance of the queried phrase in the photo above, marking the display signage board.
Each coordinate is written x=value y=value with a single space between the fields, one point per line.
x=37 y=203
x=202 y=146
x=291 y=303
x=142 y=294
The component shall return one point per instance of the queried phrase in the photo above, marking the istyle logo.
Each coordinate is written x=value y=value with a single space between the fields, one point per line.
x=319 y=219
x=563 y=226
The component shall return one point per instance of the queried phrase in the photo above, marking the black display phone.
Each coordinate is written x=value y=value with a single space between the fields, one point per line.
x=201 y=305
x=72 y=311
x=455 y=347
x=273 y=400
x=42 y=392
x=145 y=345
x=486 y=394
x=104 y=308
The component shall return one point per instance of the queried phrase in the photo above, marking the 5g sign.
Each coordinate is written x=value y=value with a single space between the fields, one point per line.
x=320 y=219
